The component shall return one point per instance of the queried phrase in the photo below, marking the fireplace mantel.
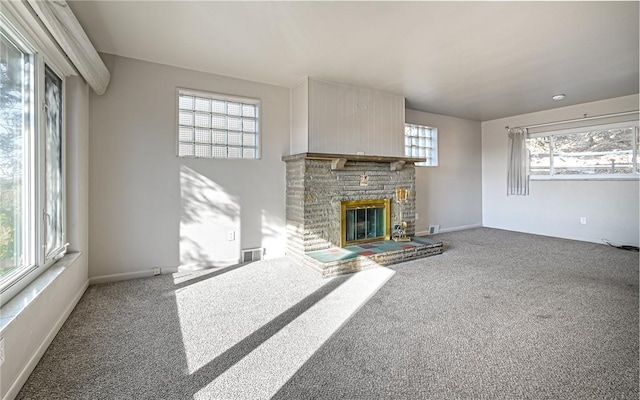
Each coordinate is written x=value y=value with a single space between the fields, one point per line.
x=338 y=160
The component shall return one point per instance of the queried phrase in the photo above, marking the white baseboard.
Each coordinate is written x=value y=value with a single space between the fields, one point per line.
x=130 y=275
x=33 y=361
x=195 y=266
x=460 y=228
x=456 y=228
x=559 y=236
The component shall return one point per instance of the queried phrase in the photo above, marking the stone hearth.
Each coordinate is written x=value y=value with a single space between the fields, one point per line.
x=316 y=186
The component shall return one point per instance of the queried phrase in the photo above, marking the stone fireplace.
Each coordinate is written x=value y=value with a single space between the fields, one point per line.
x=320 y=185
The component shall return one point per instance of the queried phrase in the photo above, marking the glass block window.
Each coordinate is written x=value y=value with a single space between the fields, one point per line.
x=213 y=125
x=421 y=142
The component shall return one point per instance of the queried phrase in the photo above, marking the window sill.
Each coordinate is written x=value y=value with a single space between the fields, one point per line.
x=12 y=309
x=584 y=178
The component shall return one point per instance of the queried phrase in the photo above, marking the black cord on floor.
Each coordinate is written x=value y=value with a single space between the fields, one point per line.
x=622 y=246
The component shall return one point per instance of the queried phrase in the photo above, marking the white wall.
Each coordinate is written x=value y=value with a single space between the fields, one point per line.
x=334 y=118
x=150 y=208
x=449 y=195
x=346 y=119
x=554 y=208
x=29 y=333
x=300 y=117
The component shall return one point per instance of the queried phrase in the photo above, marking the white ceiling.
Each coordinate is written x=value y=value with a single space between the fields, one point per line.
x=475 y=60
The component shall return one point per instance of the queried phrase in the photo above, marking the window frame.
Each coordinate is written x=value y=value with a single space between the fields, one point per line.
x=33 y=40
x=634 y=175
x=226 y=98
x=431 y=147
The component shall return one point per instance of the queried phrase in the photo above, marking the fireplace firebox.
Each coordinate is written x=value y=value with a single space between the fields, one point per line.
x=363 y=221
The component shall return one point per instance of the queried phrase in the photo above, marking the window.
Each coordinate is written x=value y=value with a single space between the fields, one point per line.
x=32 y=229
x=217 y=126
x=421 y=142
x=604 y=151
x=53 y=188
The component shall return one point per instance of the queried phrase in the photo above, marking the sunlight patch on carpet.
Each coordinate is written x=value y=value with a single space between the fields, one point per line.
x=261 y=373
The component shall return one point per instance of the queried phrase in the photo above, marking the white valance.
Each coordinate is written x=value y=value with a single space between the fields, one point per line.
x=67 y=31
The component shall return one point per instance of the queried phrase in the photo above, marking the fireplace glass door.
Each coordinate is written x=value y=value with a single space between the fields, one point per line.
x=364 y=221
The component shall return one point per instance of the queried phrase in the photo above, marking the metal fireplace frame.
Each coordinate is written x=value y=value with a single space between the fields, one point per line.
x=364 y=204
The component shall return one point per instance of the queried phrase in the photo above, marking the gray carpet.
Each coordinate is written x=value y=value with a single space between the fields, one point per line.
x=497 y=315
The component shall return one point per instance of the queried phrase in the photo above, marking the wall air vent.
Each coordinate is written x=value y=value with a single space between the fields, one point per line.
x=251 y=255
x=433 y=229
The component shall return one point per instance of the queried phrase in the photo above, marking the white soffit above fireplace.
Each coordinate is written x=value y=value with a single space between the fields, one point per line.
x=475 y=60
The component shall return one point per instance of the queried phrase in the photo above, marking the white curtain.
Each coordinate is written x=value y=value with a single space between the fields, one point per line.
x=517 y=172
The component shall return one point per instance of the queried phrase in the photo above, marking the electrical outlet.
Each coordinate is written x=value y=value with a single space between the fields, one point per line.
x=231 y=235
x=583 y=220
x=417 y=216
x=1 y=351
x=157 y=271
